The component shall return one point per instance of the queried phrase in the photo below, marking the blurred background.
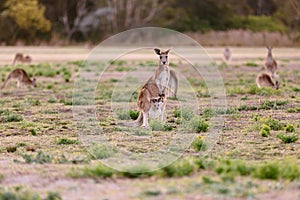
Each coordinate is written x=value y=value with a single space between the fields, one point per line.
x=210 y=22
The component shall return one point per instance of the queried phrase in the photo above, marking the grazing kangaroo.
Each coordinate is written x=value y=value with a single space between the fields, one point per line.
x=21 y=76
x=19 y=57
x=152 y=97
x=265 y=80
x=173 y=84
x=227 y=54
x=271 y=64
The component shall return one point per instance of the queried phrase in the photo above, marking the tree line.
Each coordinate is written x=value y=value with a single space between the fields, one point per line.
x=36 y=21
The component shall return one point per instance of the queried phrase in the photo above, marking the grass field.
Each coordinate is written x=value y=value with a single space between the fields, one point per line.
x=43 y=150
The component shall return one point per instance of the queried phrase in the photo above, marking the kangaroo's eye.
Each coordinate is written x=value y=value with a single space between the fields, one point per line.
x=166 y=57
x=160 y=57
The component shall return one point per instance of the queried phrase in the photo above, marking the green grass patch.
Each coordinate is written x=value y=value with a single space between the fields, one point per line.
x=10 y=116
x=66 y=141
x=287 y=138
x=100 y=151
x=265 y=130
x=251 y=64
x=199 y=125
x=199 y=144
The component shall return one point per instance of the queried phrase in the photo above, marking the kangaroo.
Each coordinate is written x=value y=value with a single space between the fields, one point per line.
x=156 y=107
x=227 y=54
x=21 y=76
x=152 y=96
x=173 y=84
x=265 y=80
x=19 y=57
x=271 y=64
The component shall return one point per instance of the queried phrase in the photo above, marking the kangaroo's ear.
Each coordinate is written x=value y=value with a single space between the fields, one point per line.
x=167 y=51
x=157 y=51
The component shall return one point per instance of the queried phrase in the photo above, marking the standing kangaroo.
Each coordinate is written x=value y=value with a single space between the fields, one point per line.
x=265 y=80
x=21 y=76
x=173 y=84
x=227 y=54
x=152 y=97
x=271 y=64
x=19 y=57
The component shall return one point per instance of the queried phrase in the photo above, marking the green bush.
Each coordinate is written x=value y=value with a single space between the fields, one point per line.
x=290 y=128
x=99 y=151
x=267 y=171
x=258 y=23
x=179 y=168
x=136 y=171
x=287 y=138
x=273 y=124
x=97 y=171
x=10 y=116
x=67 y=141
x=199 y=125
x=265 y=130
x=199 y=144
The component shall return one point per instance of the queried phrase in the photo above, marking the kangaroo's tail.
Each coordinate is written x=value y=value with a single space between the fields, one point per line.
x=136 y=123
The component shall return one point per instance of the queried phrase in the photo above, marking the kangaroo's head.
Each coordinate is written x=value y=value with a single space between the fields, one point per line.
x=163 y=56
x=34 y=82
x=269 y=50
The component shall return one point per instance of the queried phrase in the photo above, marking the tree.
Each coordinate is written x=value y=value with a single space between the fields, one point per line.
x=28 y=15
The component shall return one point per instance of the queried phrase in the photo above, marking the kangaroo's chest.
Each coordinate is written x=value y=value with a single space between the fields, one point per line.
x=163 y=78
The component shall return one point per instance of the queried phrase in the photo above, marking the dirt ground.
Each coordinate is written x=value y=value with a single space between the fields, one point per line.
x=47 y=117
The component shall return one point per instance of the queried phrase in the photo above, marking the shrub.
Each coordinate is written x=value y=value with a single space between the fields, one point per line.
x=99 y=151
x=136 y=171
x=290 y=128
x=258 y=23
x=199 y=125
x=267 y=171
x=156 y=125
x=287 y=138
x=12 y=117
x=273 y=124
x=11 y=149
x=179 y=168
x=67 y=141
x=199 y=144
x=265 y=130
x=128 y=114
x=97 y=171
x=40 y=158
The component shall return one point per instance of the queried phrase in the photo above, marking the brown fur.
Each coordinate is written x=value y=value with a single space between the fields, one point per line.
x=19 y=57
x=154 y=88
x=21 y=76
x=271 y=64
x=265 y=80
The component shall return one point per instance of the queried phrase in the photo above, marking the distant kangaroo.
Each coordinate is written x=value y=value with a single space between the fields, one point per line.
x=265 y=80
x=271 y=64
x=173 y=84
x=19 y=57
x=227 y=54
x=152 y=97
x=22 y=78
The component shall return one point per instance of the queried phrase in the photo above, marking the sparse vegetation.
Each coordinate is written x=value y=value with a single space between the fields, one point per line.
x=199 y=144
x=285 y=138
x=37 y=124
x=99 y=151
x=65 y=141
x=199 y=125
